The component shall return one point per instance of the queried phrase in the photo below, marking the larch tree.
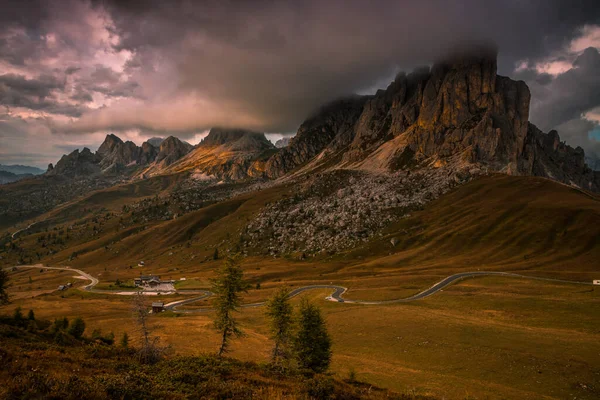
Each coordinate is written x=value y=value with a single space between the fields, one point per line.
x=3 y=287
x=312 y=343
x=227 y=287
x=281 y=314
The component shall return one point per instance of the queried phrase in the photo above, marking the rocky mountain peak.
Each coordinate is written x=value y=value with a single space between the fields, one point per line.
x=283 y=142
x=237 y=140
x=110 y=143
x=459 y=111
x=172 y=149
x=77 y=163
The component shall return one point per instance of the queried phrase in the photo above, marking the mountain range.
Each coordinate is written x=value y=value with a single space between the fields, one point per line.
x=13 y=173
x=458 y=113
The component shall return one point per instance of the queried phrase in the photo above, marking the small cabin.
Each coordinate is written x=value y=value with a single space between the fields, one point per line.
x=62 y=287
x=158 y=307
x=154 y=282
x=596 y=281
x=145 y=280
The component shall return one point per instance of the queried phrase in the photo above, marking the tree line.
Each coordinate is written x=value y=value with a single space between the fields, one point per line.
x=300 y=337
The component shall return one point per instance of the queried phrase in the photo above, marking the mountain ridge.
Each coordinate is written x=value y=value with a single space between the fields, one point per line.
x=458 y=113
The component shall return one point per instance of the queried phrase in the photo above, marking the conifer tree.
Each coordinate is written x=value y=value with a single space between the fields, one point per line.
x=280 y=311
x=227 y=286
x=3 y=287
x=312 y=343
x=77 y=328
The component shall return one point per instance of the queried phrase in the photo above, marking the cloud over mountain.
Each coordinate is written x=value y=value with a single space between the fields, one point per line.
x=182 y=67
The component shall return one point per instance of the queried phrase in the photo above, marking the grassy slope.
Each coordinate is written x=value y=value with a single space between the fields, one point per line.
x=486 y=337
x=84 y=369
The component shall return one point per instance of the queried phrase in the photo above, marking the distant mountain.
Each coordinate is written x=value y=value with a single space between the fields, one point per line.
x=593 y=161
x=226 y=154
x=115 y=157
x=9 y=177
x=281 y=143
x=21 y=169
x=155 y=141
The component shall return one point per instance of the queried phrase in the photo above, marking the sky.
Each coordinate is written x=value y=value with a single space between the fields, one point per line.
x=72 y=71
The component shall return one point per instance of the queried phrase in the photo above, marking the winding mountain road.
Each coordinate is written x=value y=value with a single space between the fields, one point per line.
x=336 y=296
x=14 y=235
x=338 y=291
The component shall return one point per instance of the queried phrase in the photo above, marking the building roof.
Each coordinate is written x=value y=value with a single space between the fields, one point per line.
x=157 y=304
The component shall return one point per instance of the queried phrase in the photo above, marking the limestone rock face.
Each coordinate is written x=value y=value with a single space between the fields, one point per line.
x=236 y=140
x=171 y=150
x=77 y=164
x=460 y=111
x=116 y=154
x=556 y=160
x=148 y=153
x=281 y=143
x=232 y=154
x=332 y=127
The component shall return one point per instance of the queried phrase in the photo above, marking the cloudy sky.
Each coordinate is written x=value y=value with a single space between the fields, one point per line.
x=73 y=70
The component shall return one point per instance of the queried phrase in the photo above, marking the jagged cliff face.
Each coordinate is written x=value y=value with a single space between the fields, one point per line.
x=171 y=150
x=77 y=163
x=458 y=112
x=228 y=154
x=115 y=157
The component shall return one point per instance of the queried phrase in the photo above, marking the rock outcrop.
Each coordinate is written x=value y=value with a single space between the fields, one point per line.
x=556 y=160
x=116 y=154
x=459 y=111
x=330 y=129
x=281 y=143
x=233 y=154
x=171 y=150
x=77 y=164
x=117 y=158
x=236 y=140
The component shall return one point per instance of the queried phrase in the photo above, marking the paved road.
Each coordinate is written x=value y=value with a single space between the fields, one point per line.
x=94 y=281
x=338 y=291
x=21 y=230
x=336 y=296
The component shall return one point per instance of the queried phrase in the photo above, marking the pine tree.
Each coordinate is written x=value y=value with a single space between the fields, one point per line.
x=216 y=254
x=125 y=340
x=227 y=288
x=280 y=311
x=3 y=286
x=18 y=316
x=312 y=342
x=77 y=328
x=31 y=315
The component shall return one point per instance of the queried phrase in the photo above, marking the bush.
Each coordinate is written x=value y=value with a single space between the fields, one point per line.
x=77 y=328
x=320 y=387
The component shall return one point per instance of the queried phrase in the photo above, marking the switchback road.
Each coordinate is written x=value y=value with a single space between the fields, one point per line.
x=336 y=296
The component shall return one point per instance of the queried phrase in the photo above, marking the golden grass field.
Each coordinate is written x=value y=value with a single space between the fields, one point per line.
x=484 y=338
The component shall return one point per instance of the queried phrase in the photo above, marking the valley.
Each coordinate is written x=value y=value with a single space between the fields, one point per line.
x=450 y=244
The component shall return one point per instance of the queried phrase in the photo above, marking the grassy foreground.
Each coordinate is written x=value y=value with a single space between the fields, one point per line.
x=483 y=338
x=36 y=366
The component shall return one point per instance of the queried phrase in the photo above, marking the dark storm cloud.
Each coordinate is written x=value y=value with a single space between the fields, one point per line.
x=184 y=66
x=40 y=87
x=35 y=94
x=570 y=94
x=280 y=60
